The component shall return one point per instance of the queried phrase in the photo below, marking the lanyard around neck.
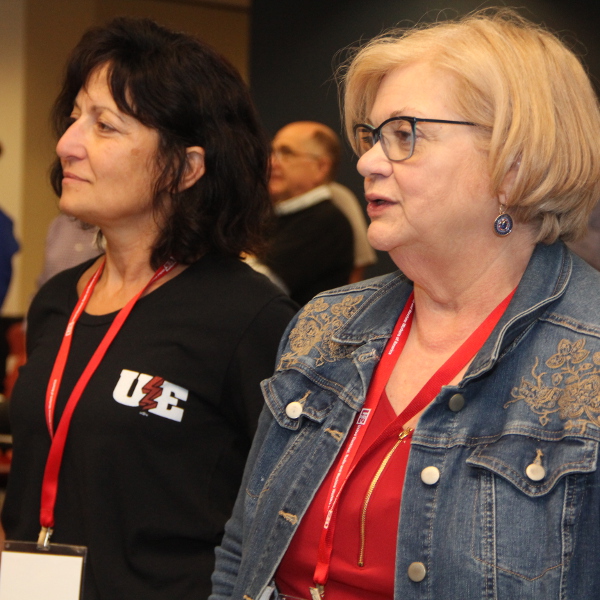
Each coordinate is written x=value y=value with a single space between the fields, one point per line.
x=53 y=463
x=454 y=365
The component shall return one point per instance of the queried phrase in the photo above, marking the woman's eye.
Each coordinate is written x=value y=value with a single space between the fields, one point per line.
x=403 y=136
x=103 y=126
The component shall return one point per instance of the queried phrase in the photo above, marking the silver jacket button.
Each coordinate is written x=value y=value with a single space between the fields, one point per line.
x=456 y=403
x=417 y=572
x=535 y=472
x=430 y=475
x=293 y=410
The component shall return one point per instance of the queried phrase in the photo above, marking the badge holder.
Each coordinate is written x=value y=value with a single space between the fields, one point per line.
x=42 y=571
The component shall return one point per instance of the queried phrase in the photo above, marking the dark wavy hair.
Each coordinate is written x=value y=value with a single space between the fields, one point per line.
x=192 y=96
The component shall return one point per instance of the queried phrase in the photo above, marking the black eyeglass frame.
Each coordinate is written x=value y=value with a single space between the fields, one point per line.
x=376 y=132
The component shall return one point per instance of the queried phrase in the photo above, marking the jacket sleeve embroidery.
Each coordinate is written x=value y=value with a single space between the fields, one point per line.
x=317 y=324
x=572 y=390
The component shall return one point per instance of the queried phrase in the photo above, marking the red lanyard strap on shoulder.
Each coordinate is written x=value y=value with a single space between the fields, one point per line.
x=59 y=439
x=61 y=358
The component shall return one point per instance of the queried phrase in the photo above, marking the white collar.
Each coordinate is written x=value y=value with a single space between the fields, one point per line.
x=298 y=203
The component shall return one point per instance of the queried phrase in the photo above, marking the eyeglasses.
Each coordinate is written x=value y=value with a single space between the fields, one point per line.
x=285 y=154
x=397 y=136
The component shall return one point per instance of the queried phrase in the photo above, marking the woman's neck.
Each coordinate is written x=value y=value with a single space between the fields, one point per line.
x=127 y=271
x=452 y=297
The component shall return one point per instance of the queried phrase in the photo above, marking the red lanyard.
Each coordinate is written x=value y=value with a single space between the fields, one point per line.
x=53 y=463
x=428 y=392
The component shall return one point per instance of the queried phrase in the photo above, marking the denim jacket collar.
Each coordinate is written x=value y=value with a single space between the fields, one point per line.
x=533 y=296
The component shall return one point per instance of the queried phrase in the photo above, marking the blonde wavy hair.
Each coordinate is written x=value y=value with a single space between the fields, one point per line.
x=529 y=93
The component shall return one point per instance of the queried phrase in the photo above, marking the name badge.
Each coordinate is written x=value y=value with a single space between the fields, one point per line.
x=42 y=572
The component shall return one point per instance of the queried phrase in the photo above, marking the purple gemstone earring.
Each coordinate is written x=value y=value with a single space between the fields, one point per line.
x=503 y=224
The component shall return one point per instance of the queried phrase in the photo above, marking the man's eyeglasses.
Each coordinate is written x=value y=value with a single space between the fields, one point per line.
x=397 y=136
x=285 y=154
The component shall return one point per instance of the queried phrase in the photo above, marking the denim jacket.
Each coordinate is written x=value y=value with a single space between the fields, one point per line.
x=515 y=513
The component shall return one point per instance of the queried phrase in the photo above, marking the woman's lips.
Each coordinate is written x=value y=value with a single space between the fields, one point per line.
x=376 y=205
x=67 y=176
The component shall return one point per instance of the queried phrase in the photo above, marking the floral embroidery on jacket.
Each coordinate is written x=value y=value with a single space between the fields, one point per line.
x=317 y=324
x=572 y=390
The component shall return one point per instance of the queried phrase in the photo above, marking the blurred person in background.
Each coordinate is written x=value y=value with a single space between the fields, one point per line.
x=312 y=245
x=69 y=242
x=8 y=248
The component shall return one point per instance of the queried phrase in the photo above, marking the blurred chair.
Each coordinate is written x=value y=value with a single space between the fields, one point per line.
x=12 y=356
x=15 y=337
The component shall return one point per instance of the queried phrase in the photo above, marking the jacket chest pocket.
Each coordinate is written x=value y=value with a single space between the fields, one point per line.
x=529 y=495
x=305 y=433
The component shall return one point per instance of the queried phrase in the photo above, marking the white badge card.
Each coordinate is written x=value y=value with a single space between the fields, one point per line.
x=53 y=572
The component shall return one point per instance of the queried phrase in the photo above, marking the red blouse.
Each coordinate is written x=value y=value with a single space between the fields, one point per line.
x=374 y=580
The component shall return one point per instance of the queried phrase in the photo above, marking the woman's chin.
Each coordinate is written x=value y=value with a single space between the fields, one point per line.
x=382 y=239
x=66 y=205
x=71 y=209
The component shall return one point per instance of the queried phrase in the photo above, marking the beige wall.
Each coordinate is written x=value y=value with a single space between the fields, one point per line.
x=12 y=110
x=35 y=39
x=52 y=28
x=226 y=29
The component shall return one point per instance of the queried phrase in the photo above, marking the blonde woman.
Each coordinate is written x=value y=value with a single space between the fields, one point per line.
x=434 y=433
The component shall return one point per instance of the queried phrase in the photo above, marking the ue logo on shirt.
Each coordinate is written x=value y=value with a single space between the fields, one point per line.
x=150 y=393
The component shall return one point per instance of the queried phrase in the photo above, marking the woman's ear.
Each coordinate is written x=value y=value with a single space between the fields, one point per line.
x=194 y=167
x=509 y=181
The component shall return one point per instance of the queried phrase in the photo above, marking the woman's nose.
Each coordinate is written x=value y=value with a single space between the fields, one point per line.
x=70 y=145
x=374 y=162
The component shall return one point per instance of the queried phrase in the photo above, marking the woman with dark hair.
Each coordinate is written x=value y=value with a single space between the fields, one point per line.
x=135 y=411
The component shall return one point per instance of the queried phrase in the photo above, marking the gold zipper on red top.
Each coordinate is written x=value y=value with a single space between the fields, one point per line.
x=363 y=517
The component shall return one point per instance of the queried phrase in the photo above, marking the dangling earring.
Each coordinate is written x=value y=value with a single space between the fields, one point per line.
x=503 y=224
